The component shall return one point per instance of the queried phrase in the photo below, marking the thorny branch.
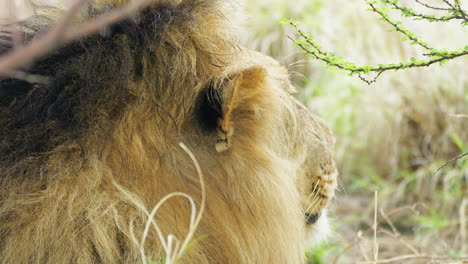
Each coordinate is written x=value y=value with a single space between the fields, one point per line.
x=454 y=11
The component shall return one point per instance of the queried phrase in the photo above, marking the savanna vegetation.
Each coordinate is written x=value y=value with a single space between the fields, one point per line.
x=397 y=138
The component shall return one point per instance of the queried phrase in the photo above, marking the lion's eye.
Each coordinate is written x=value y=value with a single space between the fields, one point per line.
x=312 y=218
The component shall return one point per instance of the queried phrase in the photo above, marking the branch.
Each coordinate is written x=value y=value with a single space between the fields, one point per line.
x=62 y=32
x=408 y=12
x=26 y=54
x=457 y=8
x=109 y=18
x=317 y=52
x=462 y=12
x=452 y=160
x=449 y=4
x=397 y=25
x=432 y=7
x=307 y=43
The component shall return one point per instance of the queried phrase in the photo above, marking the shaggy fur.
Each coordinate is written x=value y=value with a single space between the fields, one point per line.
x=85 y=154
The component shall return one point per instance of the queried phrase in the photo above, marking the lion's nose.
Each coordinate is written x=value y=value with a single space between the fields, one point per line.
x=312 y=218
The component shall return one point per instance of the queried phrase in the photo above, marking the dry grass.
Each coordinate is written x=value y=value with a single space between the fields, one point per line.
x=392 y=136
x=174 y=247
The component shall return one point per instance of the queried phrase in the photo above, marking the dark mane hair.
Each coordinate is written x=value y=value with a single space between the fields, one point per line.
x=86 y=80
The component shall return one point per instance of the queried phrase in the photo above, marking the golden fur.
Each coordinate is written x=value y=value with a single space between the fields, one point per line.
x=111 y=151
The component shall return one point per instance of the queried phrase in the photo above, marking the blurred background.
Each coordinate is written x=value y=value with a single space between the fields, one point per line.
x=392 y=135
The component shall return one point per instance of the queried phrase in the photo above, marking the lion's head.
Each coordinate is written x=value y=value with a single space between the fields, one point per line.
x=88 y=154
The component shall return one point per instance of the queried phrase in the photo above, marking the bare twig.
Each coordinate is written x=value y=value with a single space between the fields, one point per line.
x=402 y=241
x=61 y=33
x=432 y=7
x=389 y=222
x=452 y=160
x=26 y=54
x=449 y=4
x=370 y=81
x=111 y=17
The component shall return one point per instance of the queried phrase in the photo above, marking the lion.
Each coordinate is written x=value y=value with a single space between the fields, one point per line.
x=87 y=154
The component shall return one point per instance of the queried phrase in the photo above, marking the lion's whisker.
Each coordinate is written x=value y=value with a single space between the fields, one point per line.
x=314 y=202
x=317 y=203
x=313 y=191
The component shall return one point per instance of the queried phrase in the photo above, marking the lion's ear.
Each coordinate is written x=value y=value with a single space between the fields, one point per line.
x=242 y=86
x=222 y=103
